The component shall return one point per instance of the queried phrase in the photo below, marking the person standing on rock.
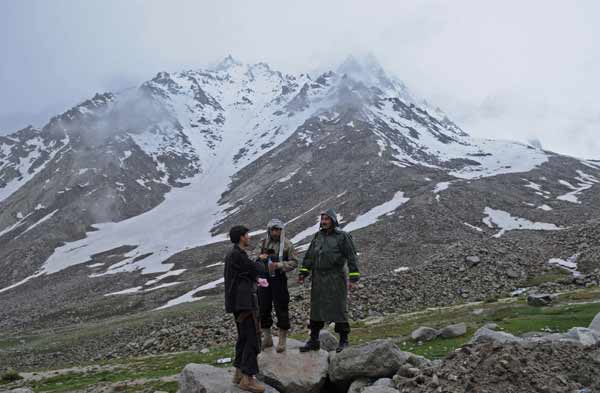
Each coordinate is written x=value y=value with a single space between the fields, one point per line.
x=241 y=275
x=279 y=257
x=330 y=251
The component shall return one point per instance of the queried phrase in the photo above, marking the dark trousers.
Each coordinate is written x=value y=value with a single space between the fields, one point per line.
x=340 y=327
x=275 y=294
x=247 y=346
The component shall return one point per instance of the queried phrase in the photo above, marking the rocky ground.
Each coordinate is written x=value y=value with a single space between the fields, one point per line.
x=508 y=368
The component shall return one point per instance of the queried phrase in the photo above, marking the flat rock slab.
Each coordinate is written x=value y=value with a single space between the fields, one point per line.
x=203 y=378
x=293 y=371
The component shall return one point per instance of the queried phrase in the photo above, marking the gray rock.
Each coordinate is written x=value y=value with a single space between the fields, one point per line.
x=540 y=299
x=457 y=330
x=478 y=311
x=377 y=359
x=584 y=336
x=328 y=341
x=21 y=390
x=292 y=371
x=203 y=378
x=358 y=385
x=385 y=382
x=379 y=389
x=472 y=260
x=485 y=334
x=595 y=325
x=418 y=361
x=424 y=334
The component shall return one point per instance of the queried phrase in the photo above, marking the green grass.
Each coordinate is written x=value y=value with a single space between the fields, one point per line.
x=151 y=367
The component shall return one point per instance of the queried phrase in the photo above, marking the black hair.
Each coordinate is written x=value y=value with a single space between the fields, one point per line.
x=237 y=232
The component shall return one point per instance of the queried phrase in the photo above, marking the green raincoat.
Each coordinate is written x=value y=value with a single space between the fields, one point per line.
x=326 y=259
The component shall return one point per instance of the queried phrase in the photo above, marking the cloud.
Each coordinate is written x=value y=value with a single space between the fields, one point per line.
x=510 y=70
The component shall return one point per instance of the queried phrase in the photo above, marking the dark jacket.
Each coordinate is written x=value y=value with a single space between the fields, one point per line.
x=331 y=260
x=240 y=281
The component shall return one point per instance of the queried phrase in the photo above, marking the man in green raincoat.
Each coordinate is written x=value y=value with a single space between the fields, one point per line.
x=330 y=251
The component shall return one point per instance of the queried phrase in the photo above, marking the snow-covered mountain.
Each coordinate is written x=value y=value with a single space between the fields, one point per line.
x=129 y=182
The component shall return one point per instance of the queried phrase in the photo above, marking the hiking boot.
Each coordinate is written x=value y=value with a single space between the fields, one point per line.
x=281 y=344
x=250 y=384
x=267 y=341
x=237 y=376
x=311 y=345
x=343 y=343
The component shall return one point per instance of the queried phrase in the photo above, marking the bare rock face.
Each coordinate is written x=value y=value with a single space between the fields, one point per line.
x=292 y=371
x=377 y=359
x=202 y=378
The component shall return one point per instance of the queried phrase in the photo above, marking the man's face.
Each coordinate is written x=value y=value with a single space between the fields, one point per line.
x=245 y=240
x=326 y=222
x=275 y=233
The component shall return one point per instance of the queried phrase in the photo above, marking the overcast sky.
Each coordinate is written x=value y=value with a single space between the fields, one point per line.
x=502 y=69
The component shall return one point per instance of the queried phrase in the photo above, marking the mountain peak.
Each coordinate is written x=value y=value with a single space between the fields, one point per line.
x=365 y=69
x=228 y=62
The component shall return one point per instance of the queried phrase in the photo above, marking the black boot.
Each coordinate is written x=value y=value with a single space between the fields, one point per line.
x=313 y=344
x=343 y=342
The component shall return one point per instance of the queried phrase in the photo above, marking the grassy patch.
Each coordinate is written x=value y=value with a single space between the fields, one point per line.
x=151 y=367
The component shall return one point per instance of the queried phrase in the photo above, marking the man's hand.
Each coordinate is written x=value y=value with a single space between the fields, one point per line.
x=263 y=257
x=273 y=266
x=301 y=279
x=351 y=285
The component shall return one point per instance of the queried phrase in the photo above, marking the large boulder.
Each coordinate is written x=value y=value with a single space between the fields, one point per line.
x=424 y=334
x=485 y=334
x=540 y=299
x=328 y=341
x=202 y=378
x=595 y=325
x=377 y=359
x=460 y=329
x=584 y=336
x=292 y=371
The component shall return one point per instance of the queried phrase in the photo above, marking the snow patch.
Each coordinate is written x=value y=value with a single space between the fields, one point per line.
x=371 y=216
x=506 y=222
x=189 y=296
x=585 y=183
x=570 y=264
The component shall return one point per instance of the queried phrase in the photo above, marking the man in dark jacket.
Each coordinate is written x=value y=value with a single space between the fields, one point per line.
x=241 y=274
x=330 y=251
